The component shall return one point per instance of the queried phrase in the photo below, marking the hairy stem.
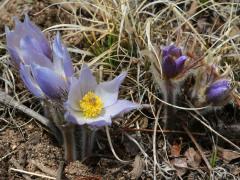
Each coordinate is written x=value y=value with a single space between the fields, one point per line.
x=87 y=141
x=168 y=110
x=69 y=142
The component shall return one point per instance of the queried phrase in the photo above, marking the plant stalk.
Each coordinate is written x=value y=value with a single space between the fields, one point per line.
x=69 y=143
x=169 y=114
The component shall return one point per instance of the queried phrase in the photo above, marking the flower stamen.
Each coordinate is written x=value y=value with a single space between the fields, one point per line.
x=91 y=105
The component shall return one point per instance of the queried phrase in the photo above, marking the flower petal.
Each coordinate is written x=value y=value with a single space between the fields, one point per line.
x=180 y=63
x=218 y=91
x=77 y=117
x=221 y=83
x=169 y=67
x=80 y=87
x=171 y=50
x=61 y=56
x=30 y=44
x=30 y=83
x=121 y=107
x=33 y=31
x=53 y=85
x=108 y=91
x=30 y=56
x=14 y=56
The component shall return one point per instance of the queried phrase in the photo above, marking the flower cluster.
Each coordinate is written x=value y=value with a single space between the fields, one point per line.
x=216 y=90
x=47 y=71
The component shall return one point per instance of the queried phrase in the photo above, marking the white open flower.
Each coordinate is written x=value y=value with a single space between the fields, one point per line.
x=95 y=104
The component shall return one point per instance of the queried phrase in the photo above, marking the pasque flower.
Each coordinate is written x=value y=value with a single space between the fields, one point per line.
x=218 y=92
x=172 y=61
x=95 y=104
x=45 y=70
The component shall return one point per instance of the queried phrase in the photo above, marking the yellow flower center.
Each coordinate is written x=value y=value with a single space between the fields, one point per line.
x=91 y=105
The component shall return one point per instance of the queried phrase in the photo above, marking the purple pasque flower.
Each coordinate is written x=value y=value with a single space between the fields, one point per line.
x=52 y=78
x=172 y=61
x=26 y=35
x=44 y=70
x=95 y=104
x=218 y=92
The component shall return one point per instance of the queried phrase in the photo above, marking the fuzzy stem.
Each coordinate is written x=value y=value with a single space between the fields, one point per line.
x=169 y=111
x=68 y=142
x=87 y=141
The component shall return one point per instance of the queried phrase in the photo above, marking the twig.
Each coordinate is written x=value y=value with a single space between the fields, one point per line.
x=44 y=168
x=17 y=165
x=198 y=147
x=9 y=101
x=31 y=173
x=162 y=131
x=215 y=132
x=112 y=149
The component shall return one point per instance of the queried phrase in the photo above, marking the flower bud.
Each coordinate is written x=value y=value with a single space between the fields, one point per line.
x=218 y=92
x=173 y=61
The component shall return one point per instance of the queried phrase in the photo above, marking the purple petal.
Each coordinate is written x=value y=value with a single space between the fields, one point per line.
x=108 y=91
x=61 y=55
x=14 y=56
x=121 y=107
x=220 y=83
x=30 y=56
x=171 y=50
x=79 y=88
x=175 y=51
x=35 y=32
x=180 y=63
x=30 y=83
x=53 y=85
x=169 y=67
x=218 y=91
x=30 y=44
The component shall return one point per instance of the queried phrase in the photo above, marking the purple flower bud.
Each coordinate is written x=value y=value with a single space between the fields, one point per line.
x=218 y=92
x=26 y=35
x=172 y=61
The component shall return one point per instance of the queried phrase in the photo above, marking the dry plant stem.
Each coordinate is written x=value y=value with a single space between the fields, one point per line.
x=154 y=144
x=198 y=147
x=69 y=142
x=17 y=165
x=9 y=101
x=32 y=174
x=161 y=131
x=214 y=131
x=112 y=149
x=43 y=168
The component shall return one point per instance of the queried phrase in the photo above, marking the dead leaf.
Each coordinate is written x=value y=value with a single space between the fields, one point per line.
x=180 y=165
x=138 y=167
x=143 y=123
x=193 y=8
x=228 y=155
x=193 y=158
x=175 y=150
